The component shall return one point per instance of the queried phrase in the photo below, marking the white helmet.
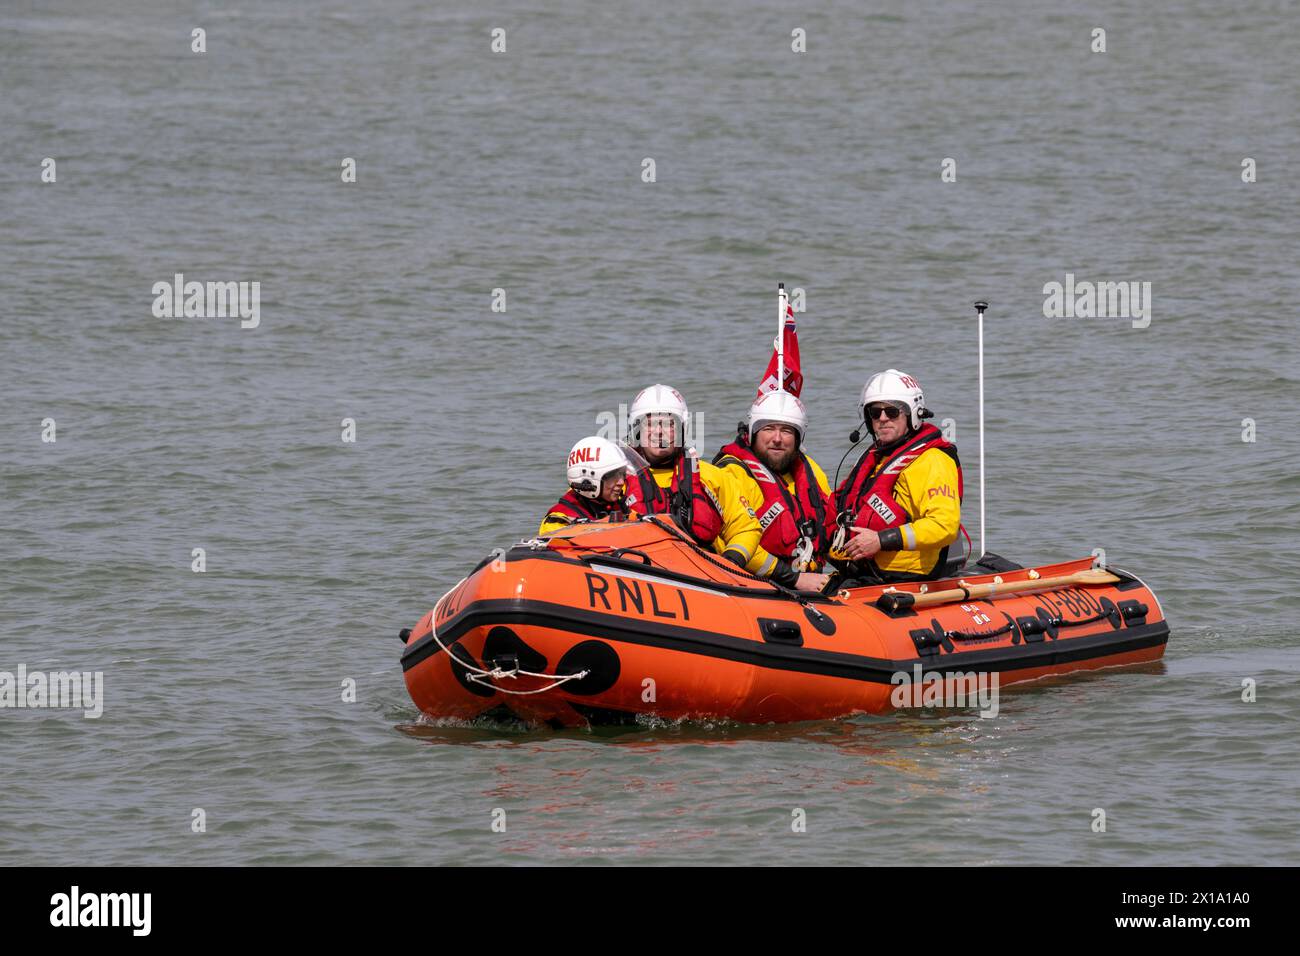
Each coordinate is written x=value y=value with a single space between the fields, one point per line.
x=778 y=406
x=590 y=461
x=896 y=388
x=660 y=400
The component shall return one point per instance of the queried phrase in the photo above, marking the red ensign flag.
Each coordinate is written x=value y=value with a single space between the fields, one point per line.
x=793 y=377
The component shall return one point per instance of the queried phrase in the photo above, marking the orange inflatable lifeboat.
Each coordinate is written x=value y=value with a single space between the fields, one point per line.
x=601 y=622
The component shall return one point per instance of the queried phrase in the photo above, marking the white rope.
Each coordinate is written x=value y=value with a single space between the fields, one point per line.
x=498 y=674
x=476 y=673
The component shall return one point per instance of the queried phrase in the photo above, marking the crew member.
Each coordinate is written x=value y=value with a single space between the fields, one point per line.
x=597 y=475
x=700 y=497
x=791 y=494
x=900 y=507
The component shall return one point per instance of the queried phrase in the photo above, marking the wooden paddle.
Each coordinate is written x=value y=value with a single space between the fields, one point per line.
x=900 y=600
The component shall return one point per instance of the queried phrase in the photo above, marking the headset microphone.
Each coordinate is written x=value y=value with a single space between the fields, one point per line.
x=855 y=436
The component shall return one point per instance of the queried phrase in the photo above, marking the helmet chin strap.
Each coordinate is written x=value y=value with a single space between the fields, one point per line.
x=871 y=432
x=899 y=440
x=677 y=452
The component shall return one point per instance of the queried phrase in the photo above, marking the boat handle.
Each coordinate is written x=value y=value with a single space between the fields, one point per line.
x=781 y=631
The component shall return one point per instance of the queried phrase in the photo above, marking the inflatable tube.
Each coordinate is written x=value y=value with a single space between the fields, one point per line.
x=602 y=622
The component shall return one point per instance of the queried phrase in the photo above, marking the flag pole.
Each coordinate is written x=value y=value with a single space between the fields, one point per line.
x=780 y=336
x=980 y=307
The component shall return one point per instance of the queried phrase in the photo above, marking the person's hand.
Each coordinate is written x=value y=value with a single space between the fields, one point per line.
x=862 y=546
x=808 y=581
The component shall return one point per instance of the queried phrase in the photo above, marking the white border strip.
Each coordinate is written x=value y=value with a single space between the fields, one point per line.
x=654 y=579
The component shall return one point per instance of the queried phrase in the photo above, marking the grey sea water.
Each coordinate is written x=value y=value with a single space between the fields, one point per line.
x=522 y=171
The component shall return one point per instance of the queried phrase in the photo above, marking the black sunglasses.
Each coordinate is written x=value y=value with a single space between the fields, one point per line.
x=888 y=411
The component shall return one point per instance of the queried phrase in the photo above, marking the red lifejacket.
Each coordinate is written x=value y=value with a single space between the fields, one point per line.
x=870 y=502
x=784 y=518
x=578 y=507
x=689 y=502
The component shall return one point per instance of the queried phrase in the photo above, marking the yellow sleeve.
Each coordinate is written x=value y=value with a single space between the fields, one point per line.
x=553 y=522
x=761 y=562
x=740 y=530
x=928 y=489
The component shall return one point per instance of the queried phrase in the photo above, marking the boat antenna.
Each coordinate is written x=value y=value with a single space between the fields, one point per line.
x=979 y=308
